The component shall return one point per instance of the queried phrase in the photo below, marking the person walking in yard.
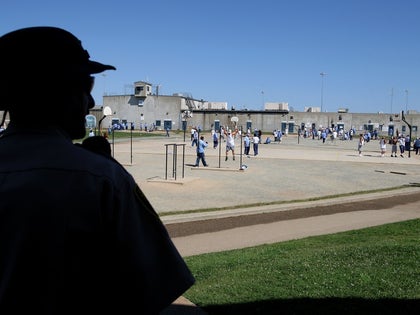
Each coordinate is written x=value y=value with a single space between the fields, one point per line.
x=215 y=139
x=407 y=143
x=401 y=141
x=194 y=138
x=394 y=143
x=255 y=141
x=382 y=145
x=417 y=145
x=192 y=133
x=247 y=144
x=200 y=152
x=360 y=144
x=324 y=135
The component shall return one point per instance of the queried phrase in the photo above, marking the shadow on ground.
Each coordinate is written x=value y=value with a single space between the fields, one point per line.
x=183 y=310
x=319 y=306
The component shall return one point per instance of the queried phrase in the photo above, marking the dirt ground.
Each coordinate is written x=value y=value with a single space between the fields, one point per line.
x=214 y=225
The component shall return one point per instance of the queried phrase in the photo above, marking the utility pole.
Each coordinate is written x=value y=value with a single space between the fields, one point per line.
x=322 y=89
x=392 y=98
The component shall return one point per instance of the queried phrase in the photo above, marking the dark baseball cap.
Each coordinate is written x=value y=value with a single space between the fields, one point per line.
x=47 y=50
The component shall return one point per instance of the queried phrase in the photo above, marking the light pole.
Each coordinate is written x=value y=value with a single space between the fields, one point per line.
x=392 y=98
x=406 y=101
x=104 y=76
x=263 y=99
x=322 y=74
x=131 y=143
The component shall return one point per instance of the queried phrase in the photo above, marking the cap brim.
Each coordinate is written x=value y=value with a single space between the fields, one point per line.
x=97 y=67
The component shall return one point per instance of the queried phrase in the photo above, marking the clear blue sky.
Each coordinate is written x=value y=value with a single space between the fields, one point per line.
x=247 y=52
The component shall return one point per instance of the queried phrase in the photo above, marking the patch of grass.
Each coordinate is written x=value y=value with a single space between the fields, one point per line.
x=345 y=271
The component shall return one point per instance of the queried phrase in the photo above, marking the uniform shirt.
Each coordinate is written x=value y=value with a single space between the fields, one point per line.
x=246 y=141
x=401 y=141
x=201 y=146
x=76 y=233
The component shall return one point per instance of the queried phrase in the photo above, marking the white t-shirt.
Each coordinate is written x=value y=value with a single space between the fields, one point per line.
x=230 y=140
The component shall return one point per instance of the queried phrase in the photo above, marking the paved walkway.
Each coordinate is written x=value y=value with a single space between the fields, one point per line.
x=286 y=172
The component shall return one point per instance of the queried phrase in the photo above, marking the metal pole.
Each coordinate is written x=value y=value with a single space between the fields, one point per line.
x=409 y=127
x=198 y=141
x=99 y=125
x=131 y=144
x=183 y=159
x=322 y=89
x=220 y=145
x=240 y=157
x=113 y=142
x=166 y=161
x=174 y=153
x=392 y=98
x=298 y=132
x=184 y=126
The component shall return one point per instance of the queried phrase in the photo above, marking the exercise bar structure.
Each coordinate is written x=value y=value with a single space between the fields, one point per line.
x=174 y=159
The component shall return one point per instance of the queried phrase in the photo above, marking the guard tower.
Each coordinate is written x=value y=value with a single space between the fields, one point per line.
x=142 y=89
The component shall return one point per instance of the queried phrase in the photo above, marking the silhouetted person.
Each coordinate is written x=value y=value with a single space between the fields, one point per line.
x=77 y=235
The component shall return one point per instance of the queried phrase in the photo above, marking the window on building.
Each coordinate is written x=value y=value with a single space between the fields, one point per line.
x=138 y=89
x=158 y=123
